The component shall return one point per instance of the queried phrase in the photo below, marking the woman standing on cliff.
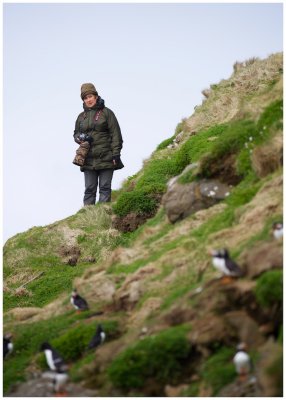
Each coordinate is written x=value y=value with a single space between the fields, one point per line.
x=98 y=129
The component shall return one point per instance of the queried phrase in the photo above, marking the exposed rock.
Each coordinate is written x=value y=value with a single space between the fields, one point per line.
x=211 y=329
x=247 y=388
x=183 y=200
x=41 y=387
x=269 y=369
x=99 y=287
x=133 y=288
x=246 y=328
x=262 y=257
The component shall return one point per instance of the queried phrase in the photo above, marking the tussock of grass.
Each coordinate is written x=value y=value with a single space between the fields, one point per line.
x=27 y=339
x=92 y=217
x=160 y=357
x=269 y=288
x=63 y=332
x=219 y=370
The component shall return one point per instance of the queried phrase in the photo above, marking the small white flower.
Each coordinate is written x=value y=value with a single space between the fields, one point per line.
x=264 y=127
x=246 y=145
x=211 y=193
x=250 y=138
x=216 y=188
x=227 y=194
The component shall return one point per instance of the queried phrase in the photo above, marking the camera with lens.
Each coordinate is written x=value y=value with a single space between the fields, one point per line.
x=85 y=140
x=84 y=137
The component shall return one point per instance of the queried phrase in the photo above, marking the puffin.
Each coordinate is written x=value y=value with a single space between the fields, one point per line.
x=277 y=230
x=58 y=366
x=221 y=261
x=98 y=338
x=7 y=344
x=79 y=303
x=242 y=362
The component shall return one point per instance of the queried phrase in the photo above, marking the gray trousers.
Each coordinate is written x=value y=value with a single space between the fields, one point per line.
x=101 y=177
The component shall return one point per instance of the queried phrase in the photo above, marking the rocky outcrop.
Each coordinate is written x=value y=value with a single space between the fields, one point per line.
x=262 y=257
x=183 y=200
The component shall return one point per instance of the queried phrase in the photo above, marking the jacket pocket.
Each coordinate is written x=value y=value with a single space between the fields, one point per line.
x=106 y=155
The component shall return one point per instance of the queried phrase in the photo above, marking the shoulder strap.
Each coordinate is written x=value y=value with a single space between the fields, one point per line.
x=97 y=115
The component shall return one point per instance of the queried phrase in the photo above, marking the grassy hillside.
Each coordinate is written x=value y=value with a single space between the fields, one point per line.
x=172 y=326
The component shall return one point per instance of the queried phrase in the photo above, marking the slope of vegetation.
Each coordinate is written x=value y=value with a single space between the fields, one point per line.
x=169 y=323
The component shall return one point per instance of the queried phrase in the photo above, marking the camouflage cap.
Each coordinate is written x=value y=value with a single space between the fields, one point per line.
x=87 y=88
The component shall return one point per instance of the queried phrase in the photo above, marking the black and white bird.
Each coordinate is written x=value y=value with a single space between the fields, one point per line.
x=242 y=362
x=222 y=262
x=79 y=303
x=277 y=230
x=7 y=344
x=98 y=338
x=58 y=366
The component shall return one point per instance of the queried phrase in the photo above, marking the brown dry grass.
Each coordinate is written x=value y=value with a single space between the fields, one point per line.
x=268 y=157
x=245 y=93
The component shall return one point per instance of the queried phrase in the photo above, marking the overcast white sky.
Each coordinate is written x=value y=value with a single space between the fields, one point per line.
x=149 y=62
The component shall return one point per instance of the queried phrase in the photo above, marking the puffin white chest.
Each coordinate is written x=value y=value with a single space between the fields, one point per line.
x=220 y=264
x=242 y=362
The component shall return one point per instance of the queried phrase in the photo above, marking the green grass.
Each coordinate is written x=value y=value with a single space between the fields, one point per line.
x=269 y=288
x=70 y=333
x=27 y=339
x=238 y=137
x=218 y=370
x=165 y=143
x=159 y=357
x=75 y=371
x=48 y=287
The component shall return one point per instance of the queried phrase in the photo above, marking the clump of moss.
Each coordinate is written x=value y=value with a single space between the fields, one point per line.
x=74 y=342
x=160 y=357
x=269 y=288
x=218 y=370
x=139 y=201
x=165 y=143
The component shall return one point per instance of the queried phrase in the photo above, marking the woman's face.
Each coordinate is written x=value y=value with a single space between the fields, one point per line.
x=90 y=100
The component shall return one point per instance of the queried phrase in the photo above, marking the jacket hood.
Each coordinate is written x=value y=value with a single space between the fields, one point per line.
x=98 y=106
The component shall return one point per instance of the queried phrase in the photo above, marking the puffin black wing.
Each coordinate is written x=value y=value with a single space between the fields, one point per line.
x=97 y=338
x=6 y=343
x=233 y=268
x=80 y=302
x=59 y=362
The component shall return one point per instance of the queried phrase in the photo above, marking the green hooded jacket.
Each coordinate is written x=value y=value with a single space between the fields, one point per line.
x=100 y=123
